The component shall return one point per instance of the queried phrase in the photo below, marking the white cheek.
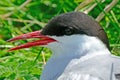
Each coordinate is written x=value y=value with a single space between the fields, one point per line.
x=64 y=42
x=74 y=41
x=66 y=39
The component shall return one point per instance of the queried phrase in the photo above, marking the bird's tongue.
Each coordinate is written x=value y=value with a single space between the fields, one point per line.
x=44 y=40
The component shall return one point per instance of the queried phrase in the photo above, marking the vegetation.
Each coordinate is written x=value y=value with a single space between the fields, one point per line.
x=22 y=16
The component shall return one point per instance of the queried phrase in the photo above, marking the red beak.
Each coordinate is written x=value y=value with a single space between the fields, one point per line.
x=44 y=40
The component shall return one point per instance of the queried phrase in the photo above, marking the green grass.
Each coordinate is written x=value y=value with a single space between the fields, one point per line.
x=17 y=18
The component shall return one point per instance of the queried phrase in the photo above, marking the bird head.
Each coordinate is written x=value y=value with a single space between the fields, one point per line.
x=63 y=30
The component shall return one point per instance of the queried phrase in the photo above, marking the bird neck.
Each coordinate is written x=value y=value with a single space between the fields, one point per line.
x=83 y=48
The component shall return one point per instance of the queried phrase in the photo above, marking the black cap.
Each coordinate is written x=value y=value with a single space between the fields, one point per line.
x=75 y=23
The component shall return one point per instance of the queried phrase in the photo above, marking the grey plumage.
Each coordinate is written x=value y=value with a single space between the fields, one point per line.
x=99 y=67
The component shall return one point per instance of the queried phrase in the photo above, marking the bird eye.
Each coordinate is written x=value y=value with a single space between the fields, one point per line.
x=68 y=31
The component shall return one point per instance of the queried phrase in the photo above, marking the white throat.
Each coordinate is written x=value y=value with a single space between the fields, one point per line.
x=67 y=48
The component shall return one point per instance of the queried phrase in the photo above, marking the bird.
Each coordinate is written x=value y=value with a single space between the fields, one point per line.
x=80 y=49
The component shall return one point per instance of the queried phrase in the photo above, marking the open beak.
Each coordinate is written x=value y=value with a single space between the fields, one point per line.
x=44 y=40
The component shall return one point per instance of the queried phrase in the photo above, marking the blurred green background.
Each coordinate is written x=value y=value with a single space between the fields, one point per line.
x=22 y=16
